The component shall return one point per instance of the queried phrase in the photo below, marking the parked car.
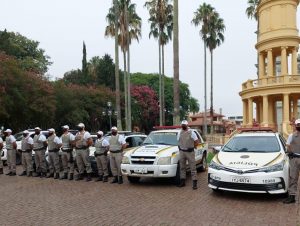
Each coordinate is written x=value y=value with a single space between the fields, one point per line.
x=254 y=161
x=158 y=157
x=132 y=139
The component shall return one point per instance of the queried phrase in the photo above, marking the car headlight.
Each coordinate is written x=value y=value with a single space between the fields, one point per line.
x=125 y=160
x=274 y=168
x=216 y=166
x=164 y=161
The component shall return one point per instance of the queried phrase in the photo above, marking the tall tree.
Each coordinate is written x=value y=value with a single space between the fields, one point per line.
x=176 y=116
x=215 y=38
x=129 y=28
x=251 y=9
x=161 y=27
x=202 y=17
x=84 y=68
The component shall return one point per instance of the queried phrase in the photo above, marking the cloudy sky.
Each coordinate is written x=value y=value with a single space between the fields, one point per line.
x=62 y=25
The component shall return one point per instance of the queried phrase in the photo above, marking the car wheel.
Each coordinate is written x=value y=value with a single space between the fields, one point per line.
x=18 y=158
x=203 y=165
x=176 y=179
x=133 y=180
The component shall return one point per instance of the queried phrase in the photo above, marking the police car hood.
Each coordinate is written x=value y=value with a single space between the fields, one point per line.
x=152 y=149
x=246 y=160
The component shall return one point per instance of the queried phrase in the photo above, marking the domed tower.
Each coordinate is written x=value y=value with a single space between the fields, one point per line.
x=272 y=99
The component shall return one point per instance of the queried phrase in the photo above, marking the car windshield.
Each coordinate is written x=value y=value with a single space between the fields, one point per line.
x=252 y=144
x=19 y=136
x=167 y=138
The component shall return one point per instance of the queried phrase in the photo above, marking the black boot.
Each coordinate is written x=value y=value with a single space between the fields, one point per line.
x=120 y=180
x=56 y=175
x=64 y=177
x=1 y=170
x=88 y=178
x=290 y=199
x=105 y=179
x=49 y=175
x=71 y=176
x=115 y=180
x=23 y=174
x=195 y=184
x=12 y=174
x=79 y=177
x=37 y=174
x=100 y=178
x=29 y=174
x=182 y=183
x=8 y=174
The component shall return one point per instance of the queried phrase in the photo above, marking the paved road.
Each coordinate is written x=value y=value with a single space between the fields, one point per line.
x=35 y=201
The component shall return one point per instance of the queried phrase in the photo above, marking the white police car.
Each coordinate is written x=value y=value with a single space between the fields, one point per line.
x=254 y=161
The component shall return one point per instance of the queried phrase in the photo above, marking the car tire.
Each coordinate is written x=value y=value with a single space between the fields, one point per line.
x=203 y=166
x=176 y=179
x=133 y=180
x=18 y=158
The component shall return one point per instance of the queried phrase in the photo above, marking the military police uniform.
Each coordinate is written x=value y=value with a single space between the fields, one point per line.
x=11 y=153
x=100 y=153
x=26 y=147
x=39 y=147
x=54 y=144
x=1 y=163
x=293 y=144
x=67 y=153
x=187 y=140
x=116 y=145
x=83 y=152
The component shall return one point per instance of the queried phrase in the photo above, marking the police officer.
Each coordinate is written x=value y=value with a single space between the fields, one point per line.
x=26 y=147
x=11 y=147
x=54 y=144
x=100 y=153
x=83 y=141
x=187 y=141
x=117 y=144
x=67 y=153
x=39 y=147
x=293 y=148
x=1 y=163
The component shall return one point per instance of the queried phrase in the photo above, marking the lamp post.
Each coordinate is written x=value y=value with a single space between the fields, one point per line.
x=109 y=112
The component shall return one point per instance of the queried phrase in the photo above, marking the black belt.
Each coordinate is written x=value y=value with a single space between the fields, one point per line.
x=117 y=151
x=67 y=150
x=293 y=155
x=53 y=150
x=96 y=155
x=187 y=150
x=39 y=149
x=27 y=151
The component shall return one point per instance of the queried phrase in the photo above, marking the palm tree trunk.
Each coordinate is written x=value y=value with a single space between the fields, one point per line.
x=163 y=84
x=117 y=75
x=128 y=90
x=159 y=87
x=125 y=89
x=205 y=101
x=176 y=116
x=211 y=94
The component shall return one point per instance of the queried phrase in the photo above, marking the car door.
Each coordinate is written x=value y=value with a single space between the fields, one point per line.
x=199 y=149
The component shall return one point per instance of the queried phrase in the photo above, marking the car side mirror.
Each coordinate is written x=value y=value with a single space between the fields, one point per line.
x=217 y=149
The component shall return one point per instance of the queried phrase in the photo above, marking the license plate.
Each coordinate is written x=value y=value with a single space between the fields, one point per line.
x=140 y=170
x=242 y=180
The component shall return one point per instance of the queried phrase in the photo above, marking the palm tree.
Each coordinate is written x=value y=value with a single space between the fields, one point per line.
x=202 y=17
x=251 y=9
x=176 y=116
x=161 y=26
x=214 y=38
x=129 y=28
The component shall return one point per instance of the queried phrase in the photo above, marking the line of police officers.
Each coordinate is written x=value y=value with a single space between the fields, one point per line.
x=81 y=142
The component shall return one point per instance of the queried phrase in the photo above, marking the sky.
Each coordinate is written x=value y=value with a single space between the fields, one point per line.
x=61 y=26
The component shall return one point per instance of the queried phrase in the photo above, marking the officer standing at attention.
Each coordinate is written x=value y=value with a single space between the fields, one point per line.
x=26 y=147
x=117 y=144
x=67 y=153
x=100 y=153
x=54 y=144
x=83 y=141
x=1 y=163
x=188 y=142
x=39 y=147
x=11 y=147
x=293 y=148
